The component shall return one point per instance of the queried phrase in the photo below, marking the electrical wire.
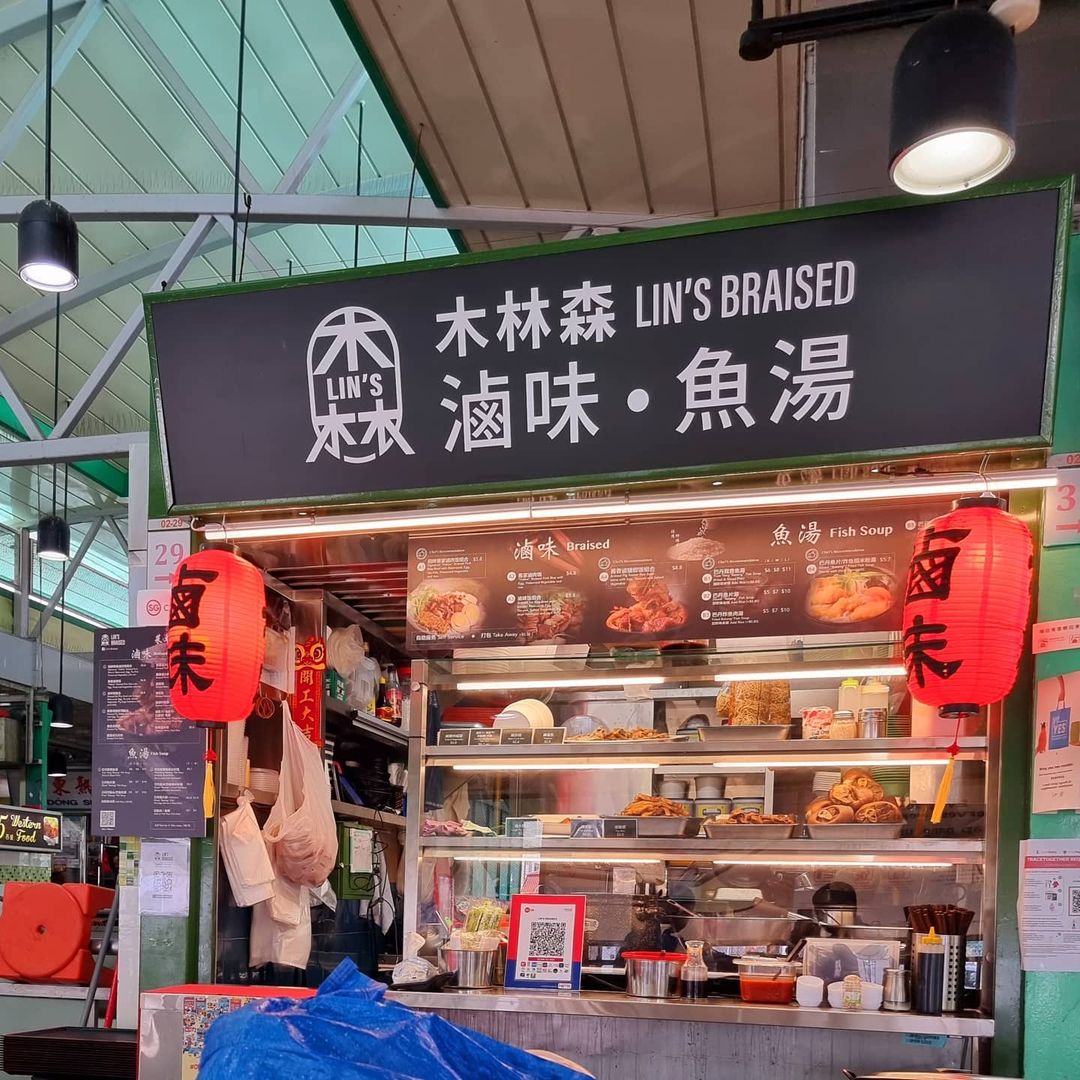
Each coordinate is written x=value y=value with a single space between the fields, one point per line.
x=412 y=188
x=359 y=167
x=239 y=131
x=247 y=224
x=49 y=27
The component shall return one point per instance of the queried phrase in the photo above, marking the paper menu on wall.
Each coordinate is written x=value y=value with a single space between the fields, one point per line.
x=1049 y=905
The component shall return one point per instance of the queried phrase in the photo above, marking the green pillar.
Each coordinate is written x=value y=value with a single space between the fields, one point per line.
x=1052 y=1000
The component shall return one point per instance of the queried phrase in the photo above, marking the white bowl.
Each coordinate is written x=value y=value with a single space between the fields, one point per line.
x=809 y=991
x=872 y=994
x=835 y=993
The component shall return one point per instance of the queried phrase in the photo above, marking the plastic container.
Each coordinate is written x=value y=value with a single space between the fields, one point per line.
x=929 y=974
x=673 y=788
x=712 y=808
x=756 y=805
x=849 y=697
x=816 y=722
x=874 y=694
x=809 y=991
x=843 y=726
x=764 y=980
x=709 y=787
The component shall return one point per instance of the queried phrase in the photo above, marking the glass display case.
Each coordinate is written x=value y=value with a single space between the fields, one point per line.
x=682 y=793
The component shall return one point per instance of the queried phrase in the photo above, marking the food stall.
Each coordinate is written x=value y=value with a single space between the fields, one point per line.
x=668 y=692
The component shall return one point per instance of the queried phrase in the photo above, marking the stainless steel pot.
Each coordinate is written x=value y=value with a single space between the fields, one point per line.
x=738 y=930
x=472 y=967
x=653 y=975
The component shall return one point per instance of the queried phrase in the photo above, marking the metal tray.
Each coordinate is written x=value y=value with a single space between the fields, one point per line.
x=888 y=830
x=748 y=832
x=745 y=733
x=667 y=826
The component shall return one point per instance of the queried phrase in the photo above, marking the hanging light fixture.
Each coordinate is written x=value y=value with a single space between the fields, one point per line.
x=60 y=705
x=48 y=236
x=57 y=764
x=53 y=533
x=953 y=103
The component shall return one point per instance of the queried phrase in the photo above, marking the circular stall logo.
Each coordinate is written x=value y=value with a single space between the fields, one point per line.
x=354 y=387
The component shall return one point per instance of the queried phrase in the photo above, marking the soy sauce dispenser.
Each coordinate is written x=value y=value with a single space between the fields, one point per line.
x=929 y=959
x=695 y=975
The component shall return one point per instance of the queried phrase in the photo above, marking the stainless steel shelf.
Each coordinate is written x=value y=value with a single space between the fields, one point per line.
x=715 y=1011
x=858 y=852
x=369 y=725
x=363 y=813
x=736 y=751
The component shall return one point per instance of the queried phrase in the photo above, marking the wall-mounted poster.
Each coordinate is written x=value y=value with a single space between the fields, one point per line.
x=1057 y=744
x=148 y=760
x=805 y=572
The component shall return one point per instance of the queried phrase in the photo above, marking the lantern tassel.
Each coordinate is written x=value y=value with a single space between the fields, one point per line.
x=209 y=794
x=946 y=778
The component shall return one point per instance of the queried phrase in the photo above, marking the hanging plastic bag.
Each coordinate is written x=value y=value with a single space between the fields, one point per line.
x=300 y=831
x=244 y=854
x=273 y=942
x=348 y=1031
x=413 y=968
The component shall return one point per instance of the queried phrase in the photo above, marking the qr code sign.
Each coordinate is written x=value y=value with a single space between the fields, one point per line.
x=1074 y=901
x=547 y=941
x=107 y=819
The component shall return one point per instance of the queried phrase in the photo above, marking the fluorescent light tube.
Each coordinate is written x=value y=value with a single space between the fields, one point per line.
x=586 y=510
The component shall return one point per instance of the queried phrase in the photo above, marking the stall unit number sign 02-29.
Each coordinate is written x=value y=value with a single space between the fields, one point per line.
x=799 y=572
x=836 y=335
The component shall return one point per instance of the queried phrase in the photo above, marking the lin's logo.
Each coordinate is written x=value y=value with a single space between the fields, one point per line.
x=354 y=386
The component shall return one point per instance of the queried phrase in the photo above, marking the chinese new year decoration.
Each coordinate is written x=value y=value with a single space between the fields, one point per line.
x=965 y=612
x=216 y=637
x=310 y=665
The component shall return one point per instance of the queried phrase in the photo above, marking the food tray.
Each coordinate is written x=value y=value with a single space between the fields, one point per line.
x=667 y=826
x=745 y=732
x=854 y=830
x=748 y=832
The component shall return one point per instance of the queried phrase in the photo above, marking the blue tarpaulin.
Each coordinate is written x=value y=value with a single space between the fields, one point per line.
x=348 y=1031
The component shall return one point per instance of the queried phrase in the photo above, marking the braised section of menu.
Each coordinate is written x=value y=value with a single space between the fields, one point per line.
x=148 y=760
x=797 y=572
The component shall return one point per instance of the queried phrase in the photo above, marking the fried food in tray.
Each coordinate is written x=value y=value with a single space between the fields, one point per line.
x=756 y=704
x=858 y=798
x=753 y=817
x=619 y=735
x=653 y=806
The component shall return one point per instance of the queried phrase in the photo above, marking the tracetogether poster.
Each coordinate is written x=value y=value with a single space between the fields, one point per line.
x=797 y=572
x=1057 y=744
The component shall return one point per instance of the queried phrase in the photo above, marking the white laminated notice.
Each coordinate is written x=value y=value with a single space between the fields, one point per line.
x=360 y=851
x=1049 y=905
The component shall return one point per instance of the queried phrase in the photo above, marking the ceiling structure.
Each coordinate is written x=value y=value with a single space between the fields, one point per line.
x=634 y=107
x=145 y=103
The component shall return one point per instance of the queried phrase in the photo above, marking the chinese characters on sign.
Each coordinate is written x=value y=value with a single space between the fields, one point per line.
x=308 y=699
x=762 y=575
x=685 y=352
x=148 y=760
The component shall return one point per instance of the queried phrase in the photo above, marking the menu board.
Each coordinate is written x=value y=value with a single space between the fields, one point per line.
x=22 y=829
x=148 y=760
x=796 y=572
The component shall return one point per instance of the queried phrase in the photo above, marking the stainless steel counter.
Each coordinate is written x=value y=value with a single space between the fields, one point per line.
x=714 y=1011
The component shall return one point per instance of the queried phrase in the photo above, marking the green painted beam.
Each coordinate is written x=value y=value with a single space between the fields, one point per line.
x=101 y=472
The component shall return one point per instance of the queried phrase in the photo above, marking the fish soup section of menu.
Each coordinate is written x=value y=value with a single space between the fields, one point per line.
x=798 y=572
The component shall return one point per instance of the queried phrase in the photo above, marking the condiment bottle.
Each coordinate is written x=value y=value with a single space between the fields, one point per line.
x=929 y=973
x=695 y=975
x=393 y=695
x=848 y=700
x=843 y=726
x=852 y=996
x=874 y=694
x=383 y=709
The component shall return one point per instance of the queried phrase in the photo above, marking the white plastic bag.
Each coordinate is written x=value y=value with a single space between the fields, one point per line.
x=413 y=968
x=244 y=854
x=274 y=942
x=300 y=832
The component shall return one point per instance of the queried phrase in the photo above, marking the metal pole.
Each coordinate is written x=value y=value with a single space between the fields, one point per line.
x=99 y=962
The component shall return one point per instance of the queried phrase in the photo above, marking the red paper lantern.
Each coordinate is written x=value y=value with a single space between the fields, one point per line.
x=968 y=593
x=216 y=636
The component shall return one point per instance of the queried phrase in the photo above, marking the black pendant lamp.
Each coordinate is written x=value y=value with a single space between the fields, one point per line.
x=53 y=532
x=48 y=237
x=56 y=763
x=953 y=103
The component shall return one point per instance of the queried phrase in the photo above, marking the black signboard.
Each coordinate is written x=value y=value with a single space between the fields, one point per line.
x=148 y=759
x=797 y=572
x=22 y=829
x=825 y=333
